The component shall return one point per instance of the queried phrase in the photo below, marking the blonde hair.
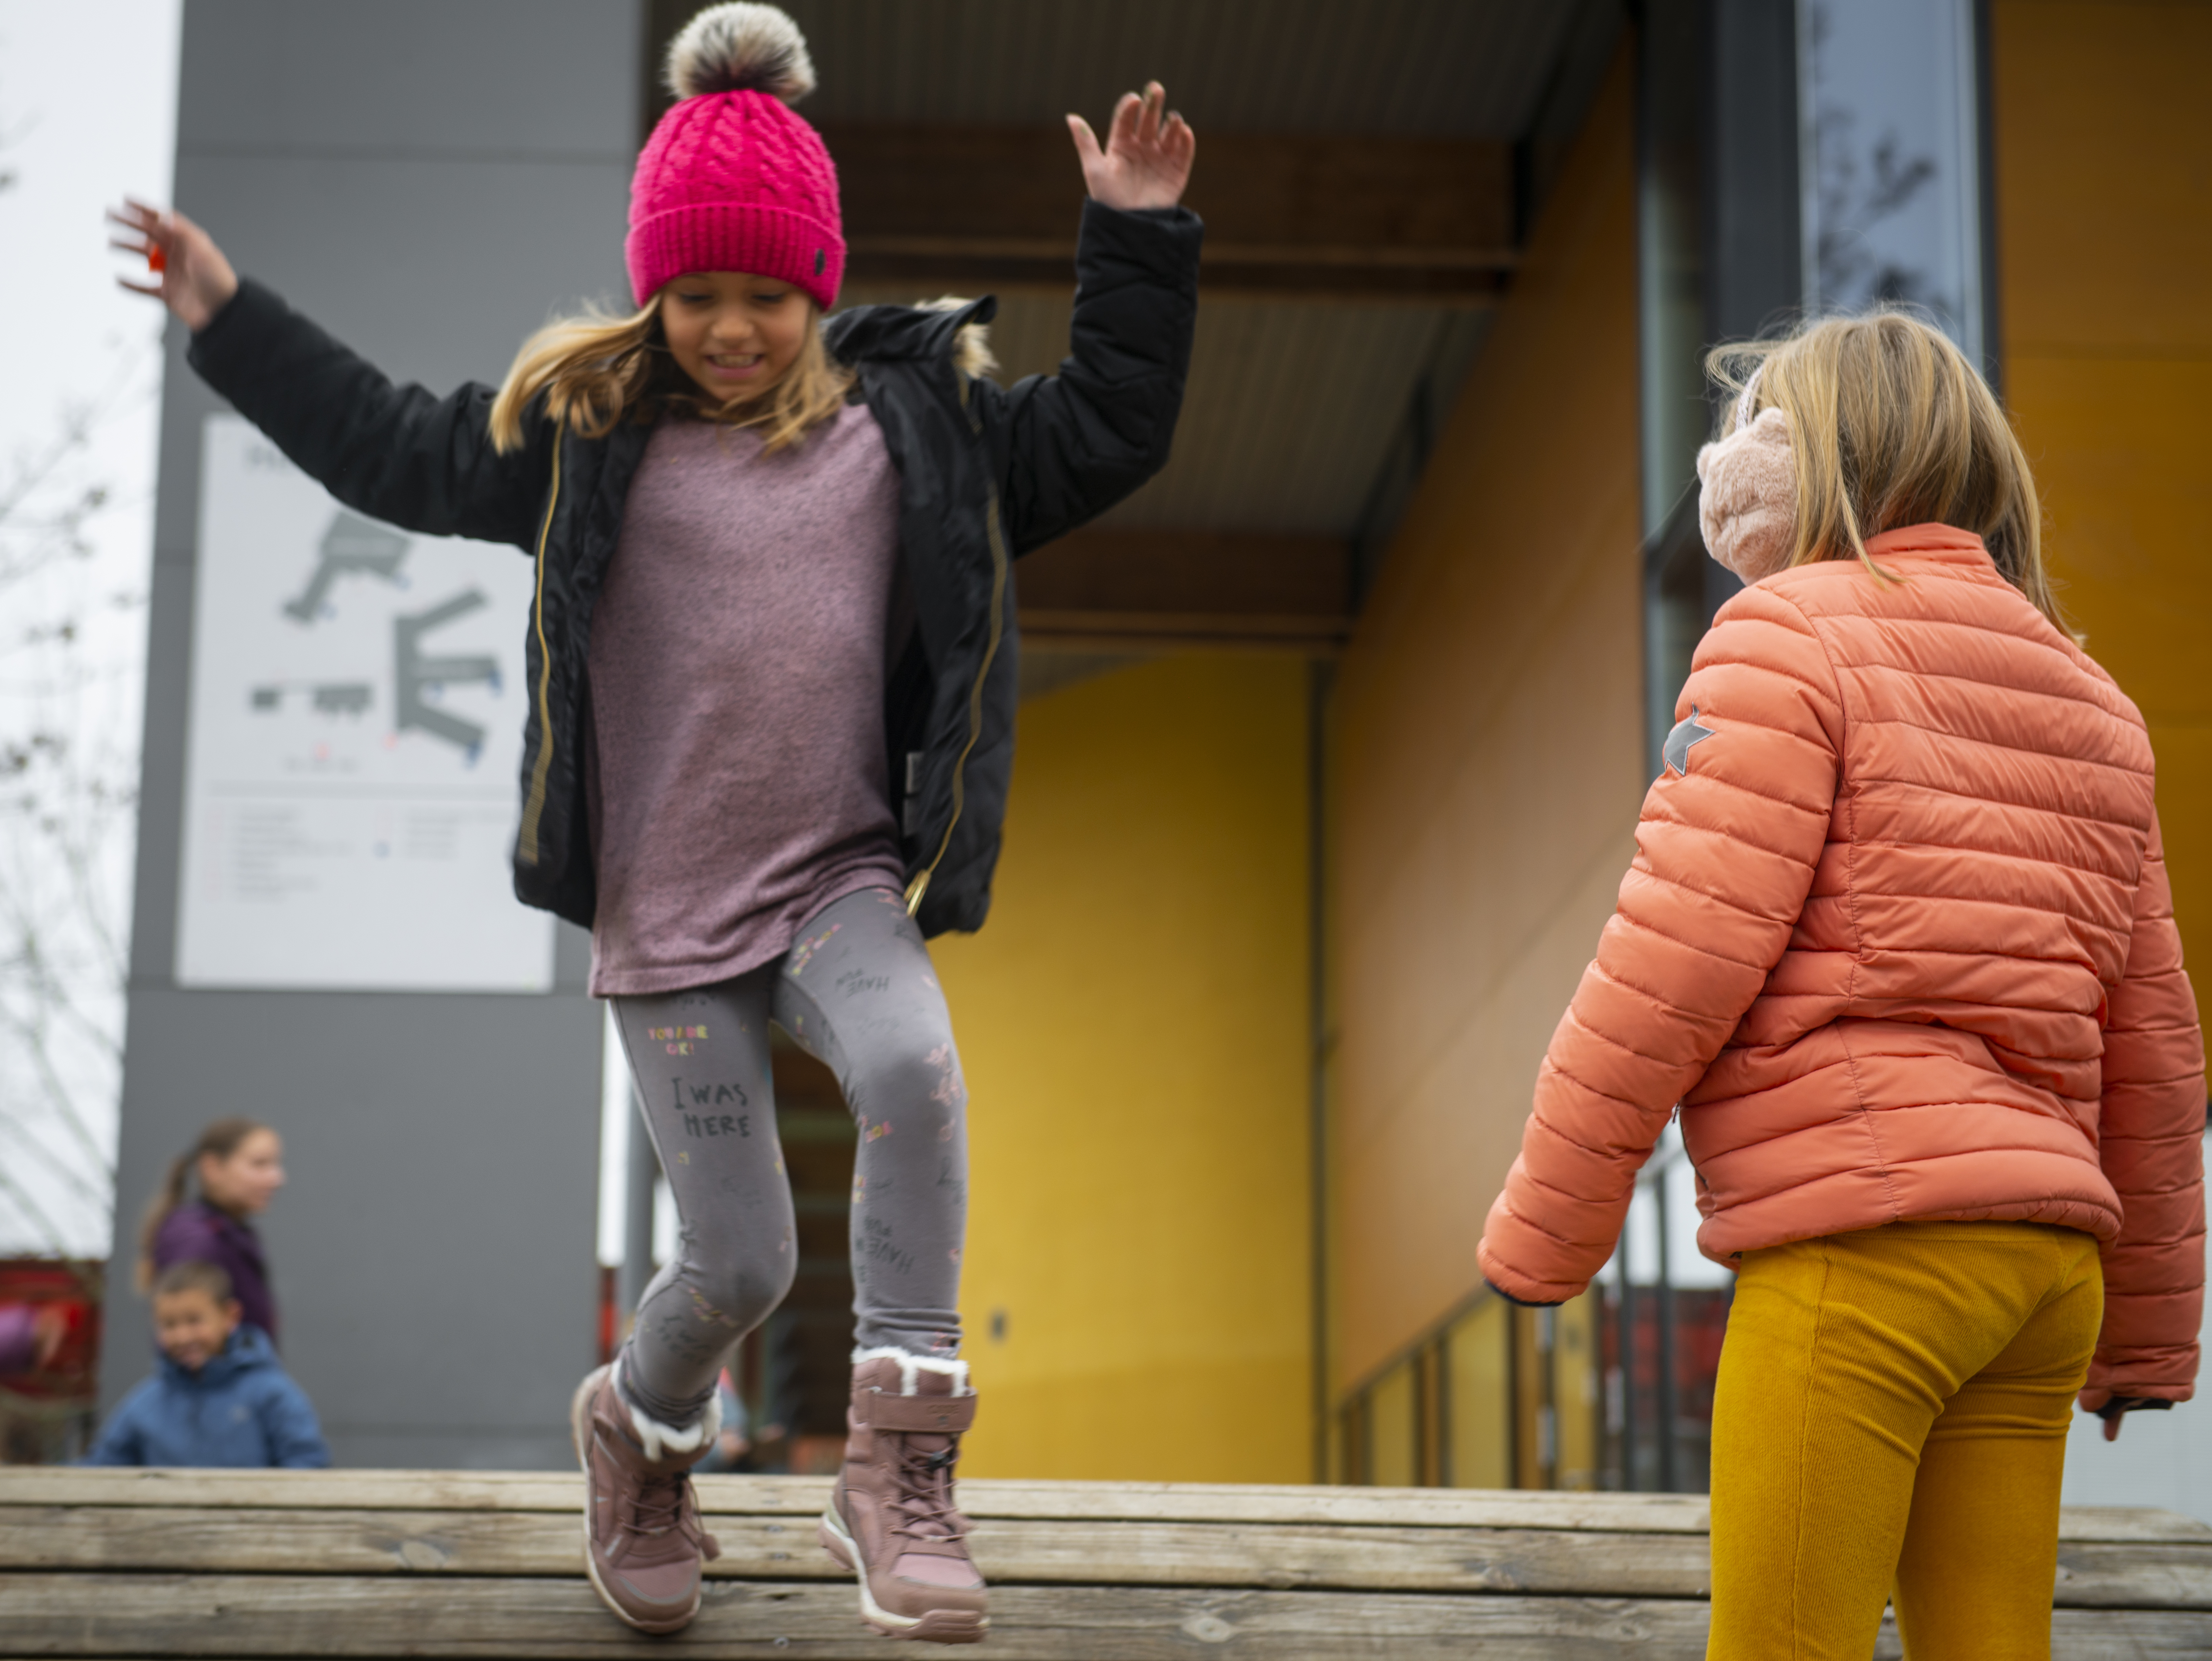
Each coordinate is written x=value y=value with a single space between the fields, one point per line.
x=596 y=370
x=1890 y=425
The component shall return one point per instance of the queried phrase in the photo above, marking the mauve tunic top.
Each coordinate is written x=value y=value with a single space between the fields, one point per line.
x=736 y=779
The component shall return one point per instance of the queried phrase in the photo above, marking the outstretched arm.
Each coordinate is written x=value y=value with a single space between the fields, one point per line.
x=399 y=454
x=2150 y=1141
x=1079 y=441
x=1728 y=843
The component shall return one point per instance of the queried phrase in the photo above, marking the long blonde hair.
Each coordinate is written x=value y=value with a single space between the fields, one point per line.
x=1890 y=425
x=596 y=370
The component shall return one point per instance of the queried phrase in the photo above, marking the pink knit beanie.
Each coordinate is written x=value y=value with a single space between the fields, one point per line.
x=734 y=179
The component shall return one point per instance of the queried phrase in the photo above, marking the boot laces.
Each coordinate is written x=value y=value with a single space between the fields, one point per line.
x=664 y=1505
x=924 y=1497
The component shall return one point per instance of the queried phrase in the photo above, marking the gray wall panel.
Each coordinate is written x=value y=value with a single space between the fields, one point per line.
x=433 y=1250
x=429 y=180
x=435 y=271
x=548 y=78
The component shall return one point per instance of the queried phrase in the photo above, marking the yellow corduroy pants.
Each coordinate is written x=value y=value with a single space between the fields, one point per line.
x=1890 y=1422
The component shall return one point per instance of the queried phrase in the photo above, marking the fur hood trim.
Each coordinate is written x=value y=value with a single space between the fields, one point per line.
x=947 y=327
x=912 y=1367
x=972 y=347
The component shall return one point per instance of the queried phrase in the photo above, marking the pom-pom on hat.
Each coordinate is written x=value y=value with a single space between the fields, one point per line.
x=734 y=179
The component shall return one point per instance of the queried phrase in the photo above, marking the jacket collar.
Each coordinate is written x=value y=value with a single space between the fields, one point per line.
x=868 y=332
x=1941 y=545
x=246 y=1349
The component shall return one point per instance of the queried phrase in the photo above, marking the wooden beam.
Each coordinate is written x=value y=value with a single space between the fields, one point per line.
x=276 y=1615
x=145 y=1563
x=1051 y=1551
x=1282 y=1555
x=1348 y=217
x=1113 y=589
x=366 y=1489
x=362 y=1489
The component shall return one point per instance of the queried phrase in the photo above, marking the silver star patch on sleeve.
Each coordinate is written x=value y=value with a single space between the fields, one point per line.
x=1686 y=734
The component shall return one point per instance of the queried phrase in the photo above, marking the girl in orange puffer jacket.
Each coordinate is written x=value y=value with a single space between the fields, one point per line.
x=1899 y=941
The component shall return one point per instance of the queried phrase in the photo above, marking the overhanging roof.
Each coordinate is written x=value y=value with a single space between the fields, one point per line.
x=1370 y=167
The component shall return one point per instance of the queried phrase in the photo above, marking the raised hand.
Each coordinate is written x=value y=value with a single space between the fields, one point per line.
x=1147 y=160
x=189 y=274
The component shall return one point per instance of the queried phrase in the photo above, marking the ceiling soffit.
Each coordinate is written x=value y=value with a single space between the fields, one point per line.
x=1364 y=170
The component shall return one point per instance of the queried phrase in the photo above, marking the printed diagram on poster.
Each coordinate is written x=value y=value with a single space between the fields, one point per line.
x=357 y=699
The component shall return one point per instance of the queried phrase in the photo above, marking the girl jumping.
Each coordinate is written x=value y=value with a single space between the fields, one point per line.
x=1899 y=941
x=771 y=679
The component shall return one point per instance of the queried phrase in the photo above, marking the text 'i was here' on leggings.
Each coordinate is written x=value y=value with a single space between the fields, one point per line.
x=857 y=992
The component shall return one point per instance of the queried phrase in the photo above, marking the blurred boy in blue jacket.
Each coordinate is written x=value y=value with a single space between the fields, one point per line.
x=220 y=1398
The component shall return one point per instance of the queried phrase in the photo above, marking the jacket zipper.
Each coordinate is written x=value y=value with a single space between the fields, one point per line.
x=920 y=886
x=533 y=809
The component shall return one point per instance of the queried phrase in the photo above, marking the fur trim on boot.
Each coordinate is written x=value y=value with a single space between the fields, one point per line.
x=662 y=1441
x=911 y=1366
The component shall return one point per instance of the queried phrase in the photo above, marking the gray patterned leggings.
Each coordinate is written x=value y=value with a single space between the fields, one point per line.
x=856 y=991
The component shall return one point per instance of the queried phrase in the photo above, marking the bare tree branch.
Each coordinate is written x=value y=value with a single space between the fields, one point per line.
x=67 y=778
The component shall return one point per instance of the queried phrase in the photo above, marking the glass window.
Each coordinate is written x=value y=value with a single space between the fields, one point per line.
x=1888 y=158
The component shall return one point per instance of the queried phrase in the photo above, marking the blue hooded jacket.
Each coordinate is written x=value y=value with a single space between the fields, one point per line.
x=241 y=1410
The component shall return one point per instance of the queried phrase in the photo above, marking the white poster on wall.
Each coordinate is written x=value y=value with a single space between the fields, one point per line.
x=357 y=699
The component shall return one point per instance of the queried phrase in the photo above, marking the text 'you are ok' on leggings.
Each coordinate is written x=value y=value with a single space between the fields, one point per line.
x=856 y=991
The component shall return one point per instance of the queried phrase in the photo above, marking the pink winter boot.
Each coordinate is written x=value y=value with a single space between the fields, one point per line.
x=643 y=1542
x=890 y=1518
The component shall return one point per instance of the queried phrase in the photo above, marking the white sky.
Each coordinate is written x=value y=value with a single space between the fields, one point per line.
x=87 y=112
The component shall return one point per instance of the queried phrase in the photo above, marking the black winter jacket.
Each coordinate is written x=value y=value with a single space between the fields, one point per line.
x=986 y=474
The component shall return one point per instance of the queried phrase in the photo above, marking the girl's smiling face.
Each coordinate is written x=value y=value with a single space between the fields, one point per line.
x=735 y=336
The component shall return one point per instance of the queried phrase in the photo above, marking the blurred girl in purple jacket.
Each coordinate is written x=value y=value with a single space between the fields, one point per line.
x=239 y=1165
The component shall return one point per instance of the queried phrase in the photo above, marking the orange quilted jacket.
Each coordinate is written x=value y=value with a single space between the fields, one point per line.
x=1898 y=941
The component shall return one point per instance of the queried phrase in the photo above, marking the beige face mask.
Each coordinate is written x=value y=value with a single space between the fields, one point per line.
x=1747 y=493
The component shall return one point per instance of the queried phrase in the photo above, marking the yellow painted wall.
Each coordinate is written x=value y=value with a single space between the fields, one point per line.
x=1486 y=764
x=1478 y=1350
x=2103 y=117
x=1134 y=1026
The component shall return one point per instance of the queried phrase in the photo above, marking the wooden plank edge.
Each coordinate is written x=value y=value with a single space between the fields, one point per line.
x=235 y=1617
x=1067 y=1501
x=399 y=1490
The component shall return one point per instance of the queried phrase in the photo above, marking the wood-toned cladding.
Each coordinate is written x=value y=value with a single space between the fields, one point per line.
x=1486 y=765
x=132 y=1563
x=1137 y=588
x=1296 y=213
